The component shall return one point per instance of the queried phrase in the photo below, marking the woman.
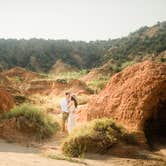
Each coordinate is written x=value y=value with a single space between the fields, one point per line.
x=71 y=119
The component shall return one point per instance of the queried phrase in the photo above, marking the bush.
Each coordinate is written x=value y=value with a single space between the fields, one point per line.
x=117 y=69
x=97 y=136
x=97 y=85
x=126 y=64
x=129 y=138
x=32 y=121
x=71 y=75
x=83 y=99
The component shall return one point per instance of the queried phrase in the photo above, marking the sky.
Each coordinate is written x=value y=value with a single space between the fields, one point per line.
x=77 y=19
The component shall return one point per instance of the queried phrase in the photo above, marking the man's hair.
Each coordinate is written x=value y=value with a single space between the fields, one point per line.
x=67 y=93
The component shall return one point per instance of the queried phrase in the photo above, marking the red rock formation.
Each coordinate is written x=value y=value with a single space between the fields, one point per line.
x=132 y=96
x=20 y=75
x=6 y=101
x=4 y=80
x=55 y=87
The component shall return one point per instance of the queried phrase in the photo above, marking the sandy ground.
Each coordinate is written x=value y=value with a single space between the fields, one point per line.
x=12 y=154
x=16 y=155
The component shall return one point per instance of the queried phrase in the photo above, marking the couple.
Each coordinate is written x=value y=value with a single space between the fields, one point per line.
x=68 y=107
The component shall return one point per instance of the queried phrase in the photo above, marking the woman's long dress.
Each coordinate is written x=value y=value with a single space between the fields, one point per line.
x=71 y=119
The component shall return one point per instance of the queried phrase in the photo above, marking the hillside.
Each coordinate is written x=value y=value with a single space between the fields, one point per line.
x=60 y=67
x=40 y=55
x=145 y=43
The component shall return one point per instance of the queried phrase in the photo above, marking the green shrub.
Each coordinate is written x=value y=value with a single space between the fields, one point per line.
x=71 y=75
x=63 y=81
x=162 y=59
x=129 y=138
x=83 y=99
x=117 y=69
x=90 y=90
x=16 y=79
x=97 y=136
x=97 y=85
x=32 y=121
x=127 y=63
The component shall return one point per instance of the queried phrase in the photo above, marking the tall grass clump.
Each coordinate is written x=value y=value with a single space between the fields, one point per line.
x=97 y=136
x=31 y=120
x=71 y=75
x=98 y=84
x=126 y=64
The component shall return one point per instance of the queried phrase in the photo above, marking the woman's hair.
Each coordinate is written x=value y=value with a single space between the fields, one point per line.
x=75 y=101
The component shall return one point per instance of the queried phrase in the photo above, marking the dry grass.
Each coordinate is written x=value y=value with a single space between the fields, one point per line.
x=83 y=99
x=96 y=136
x=71 y=75
x=49 y=103
x=33 y=120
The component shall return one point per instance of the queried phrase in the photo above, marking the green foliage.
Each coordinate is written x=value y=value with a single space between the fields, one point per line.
x=96 y=136
x=138 y=44
x=17 y=79
x=162 y=59
x=117 y=69
x=40 y=55
x=129 y=138
x=83 y=99
x=71 y=75
x=30 y=119
x=126 y=64
x=98 y=84
x=63 y=81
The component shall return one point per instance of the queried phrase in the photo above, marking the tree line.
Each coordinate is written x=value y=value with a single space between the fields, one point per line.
x=40 y=54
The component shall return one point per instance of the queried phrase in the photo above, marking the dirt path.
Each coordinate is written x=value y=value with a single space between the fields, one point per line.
x=12 y=154
x=143 y=158
x=16 y=155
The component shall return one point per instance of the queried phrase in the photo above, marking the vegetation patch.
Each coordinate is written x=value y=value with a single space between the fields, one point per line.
x=31 y=120
x=126 y=64
x=83 y=99
x=119 y=67
x=97 y=136
x=16 y=79
x=71 y=75
x=98 y=84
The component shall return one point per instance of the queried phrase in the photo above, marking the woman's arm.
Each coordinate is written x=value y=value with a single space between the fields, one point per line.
x=69 y=104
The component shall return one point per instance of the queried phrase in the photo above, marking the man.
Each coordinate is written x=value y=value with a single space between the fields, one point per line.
x=65 y=111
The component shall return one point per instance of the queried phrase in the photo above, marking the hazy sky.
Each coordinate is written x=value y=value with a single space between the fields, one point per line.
x=77 y=19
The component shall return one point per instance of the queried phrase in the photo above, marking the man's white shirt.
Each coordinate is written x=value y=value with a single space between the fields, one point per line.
x=64 y=105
